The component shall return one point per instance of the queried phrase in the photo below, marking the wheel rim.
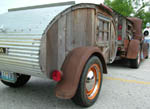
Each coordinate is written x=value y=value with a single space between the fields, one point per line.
x=93 y=81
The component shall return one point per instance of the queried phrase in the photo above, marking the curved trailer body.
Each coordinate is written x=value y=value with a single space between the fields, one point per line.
x=58 y=41
x=37 y=40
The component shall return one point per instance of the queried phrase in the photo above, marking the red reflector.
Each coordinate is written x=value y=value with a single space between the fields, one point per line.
x=119 y=48
x=56 y=75
x=119 y=37
x=120 y=27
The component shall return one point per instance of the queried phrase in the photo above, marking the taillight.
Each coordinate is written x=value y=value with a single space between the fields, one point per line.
x=56 y=75
x=119 y=49
x=119 y=27
x=119 y=37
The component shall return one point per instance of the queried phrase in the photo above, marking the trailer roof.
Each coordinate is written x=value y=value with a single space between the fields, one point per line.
x=37 y=19
x=31 y=20
x=42 y=6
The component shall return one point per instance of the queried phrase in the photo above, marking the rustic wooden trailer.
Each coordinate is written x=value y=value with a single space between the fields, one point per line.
x=68 y=43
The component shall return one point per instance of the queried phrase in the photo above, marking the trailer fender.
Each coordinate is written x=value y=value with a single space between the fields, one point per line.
x=72 y=70
x=133 y=49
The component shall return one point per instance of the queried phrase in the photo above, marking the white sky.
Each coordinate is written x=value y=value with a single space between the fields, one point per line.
x=6 y=4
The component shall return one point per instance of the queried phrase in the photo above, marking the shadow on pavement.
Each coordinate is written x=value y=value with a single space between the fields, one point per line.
x=37 y=94
x=123 y=63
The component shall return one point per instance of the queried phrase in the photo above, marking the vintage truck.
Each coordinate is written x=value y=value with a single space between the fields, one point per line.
x=68 y=43
x=131 y=40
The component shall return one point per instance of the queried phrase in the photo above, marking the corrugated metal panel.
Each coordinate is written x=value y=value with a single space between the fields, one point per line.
x=22 y=54
x=33 y=21
x=20 y=33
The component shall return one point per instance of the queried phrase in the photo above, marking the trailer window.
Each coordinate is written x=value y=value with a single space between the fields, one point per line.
x=103 y=29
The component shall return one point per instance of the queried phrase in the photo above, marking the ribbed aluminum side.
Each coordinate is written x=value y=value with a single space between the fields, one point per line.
x=22 y=53
x=21 y=32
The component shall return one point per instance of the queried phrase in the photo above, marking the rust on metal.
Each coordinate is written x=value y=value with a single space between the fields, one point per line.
x=133 y=49
x=137 y=26
x=105 y=11
x=107 y=8
x=66 y=33
x=126 y=44
x=72 y=70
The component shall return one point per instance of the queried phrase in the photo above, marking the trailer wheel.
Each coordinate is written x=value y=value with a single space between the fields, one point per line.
x=21 y=80
x=135 y=63
x=90 y=83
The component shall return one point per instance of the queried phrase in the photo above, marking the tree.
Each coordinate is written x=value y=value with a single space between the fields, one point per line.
x=127 y=7
x=140 y=12
x=139 y=6
x=124 y=7
x=133 y=8
x=145 y=16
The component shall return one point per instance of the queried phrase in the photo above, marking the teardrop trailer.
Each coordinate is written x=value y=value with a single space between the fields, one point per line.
x=68 y=43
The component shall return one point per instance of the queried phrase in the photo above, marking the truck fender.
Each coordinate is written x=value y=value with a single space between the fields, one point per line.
x=72 y=69
x=133 y=49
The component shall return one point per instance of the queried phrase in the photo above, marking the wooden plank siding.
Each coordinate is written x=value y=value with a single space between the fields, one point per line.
x=80 y=29
x=51 y=47
x=77 y=28
x=61 y=41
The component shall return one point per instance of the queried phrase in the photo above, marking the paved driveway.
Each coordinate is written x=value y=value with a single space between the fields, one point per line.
x=123 y=88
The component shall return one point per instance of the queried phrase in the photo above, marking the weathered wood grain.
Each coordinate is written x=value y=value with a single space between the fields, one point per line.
x=61 y=41
x=52 y=49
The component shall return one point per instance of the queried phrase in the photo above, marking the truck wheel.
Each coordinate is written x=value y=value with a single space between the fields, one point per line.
x=90 y=83
x=147 y=56
x=21 y=80
x=135 y=63
x=147 y=52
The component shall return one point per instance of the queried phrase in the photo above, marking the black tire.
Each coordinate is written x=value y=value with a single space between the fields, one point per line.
x=81 y=97
x=135 y=63
x=21 y=80
x=147 y=56
x=147 y=52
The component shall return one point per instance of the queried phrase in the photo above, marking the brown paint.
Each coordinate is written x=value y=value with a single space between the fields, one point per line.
x=137 y=26
x=126 y=44
x=133 y=49
x=106 y=8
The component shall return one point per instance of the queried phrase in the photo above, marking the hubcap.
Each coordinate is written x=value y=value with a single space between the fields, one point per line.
x=90 y=81
x=93 y=81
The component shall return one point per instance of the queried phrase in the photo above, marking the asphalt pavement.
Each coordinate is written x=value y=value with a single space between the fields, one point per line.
x=123 y=88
